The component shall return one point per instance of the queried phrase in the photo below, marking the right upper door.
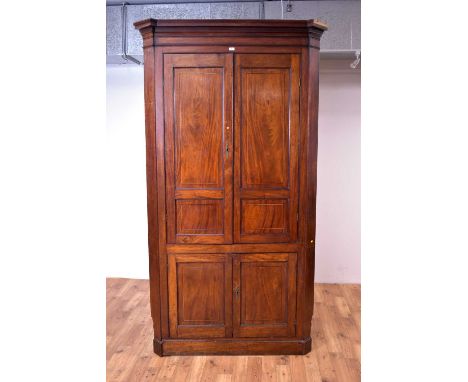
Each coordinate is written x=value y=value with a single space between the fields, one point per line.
x=267 y=88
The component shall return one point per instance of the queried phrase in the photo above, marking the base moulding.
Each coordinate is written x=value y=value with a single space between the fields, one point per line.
x=231 y=347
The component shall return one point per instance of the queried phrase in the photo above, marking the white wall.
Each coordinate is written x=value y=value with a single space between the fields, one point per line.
x=338 y=188
x=338 y=237
x=126 y=171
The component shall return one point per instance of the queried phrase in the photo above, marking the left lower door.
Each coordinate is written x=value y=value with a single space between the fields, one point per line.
x=198 y=147
x=200 y=297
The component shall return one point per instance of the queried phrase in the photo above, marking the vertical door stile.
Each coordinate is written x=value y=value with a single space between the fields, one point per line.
x=236 y=294
x=228 y=146
x=228 y=295
x=237 y=152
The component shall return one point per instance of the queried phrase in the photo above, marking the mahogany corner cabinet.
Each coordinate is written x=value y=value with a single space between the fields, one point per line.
x=231 y=155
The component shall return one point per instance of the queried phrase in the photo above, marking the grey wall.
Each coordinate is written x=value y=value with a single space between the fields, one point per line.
x=343 y=18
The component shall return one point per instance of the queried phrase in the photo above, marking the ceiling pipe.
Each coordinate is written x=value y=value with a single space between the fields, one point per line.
x=112 y=4
x=124 y=47
x=125 y=56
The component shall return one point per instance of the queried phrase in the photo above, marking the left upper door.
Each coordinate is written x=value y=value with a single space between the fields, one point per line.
x=198 y=142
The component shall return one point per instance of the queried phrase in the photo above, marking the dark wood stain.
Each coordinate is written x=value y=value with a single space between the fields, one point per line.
x=265 y=305
x=231 y=133
x=199 y=306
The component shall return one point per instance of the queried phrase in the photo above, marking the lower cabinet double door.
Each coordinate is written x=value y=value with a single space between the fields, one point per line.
x=232 y=295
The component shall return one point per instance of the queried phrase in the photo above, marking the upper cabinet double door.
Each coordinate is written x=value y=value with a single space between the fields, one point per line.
x=231 y=133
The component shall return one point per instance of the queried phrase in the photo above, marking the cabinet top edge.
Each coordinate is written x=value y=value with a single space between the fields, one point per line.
x=185 y=23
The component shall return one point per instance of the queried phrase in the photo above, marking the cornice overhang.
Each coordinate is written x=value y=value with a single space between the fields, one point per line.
x=241 y=32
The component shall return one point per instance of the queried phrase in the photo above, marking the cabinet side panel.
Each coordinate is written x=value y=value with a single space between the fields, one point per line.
x=309 y=263
x=161 y=181
x=151 y=187
x=303 y=200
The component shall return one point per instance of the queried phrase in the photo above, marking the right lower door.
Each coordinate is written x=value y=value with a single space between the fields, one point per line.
x=264 y=299
x=267 y=88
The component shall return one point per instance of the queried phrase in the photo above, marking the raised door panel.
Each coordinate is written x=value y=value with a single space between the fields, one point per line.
x=264 y=216
x=264 y=295
x=200 y=295
x=197 y=216
x=198 y=127
x=264 y=130
x=198 y=107
x=266 y=147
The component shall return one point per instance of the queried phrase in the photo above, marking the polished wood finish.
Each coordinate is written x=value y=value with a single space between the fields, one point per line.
x=266 y=141
x=265 y=305
x=200 y=296
x=335 y=335
x=229 y=32
x=198 y=105
x=231 y=129
x=274 y=26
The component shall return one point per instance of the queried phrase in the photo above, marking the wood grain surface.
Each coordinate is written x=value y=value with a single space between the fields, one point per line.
x=198 y=107
x=231 y=128
x=266 y=147
x=335 y=356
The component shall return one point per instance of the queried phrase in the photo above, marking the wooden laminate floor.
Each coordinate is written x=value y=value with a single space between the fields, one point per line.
x=335 y=356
